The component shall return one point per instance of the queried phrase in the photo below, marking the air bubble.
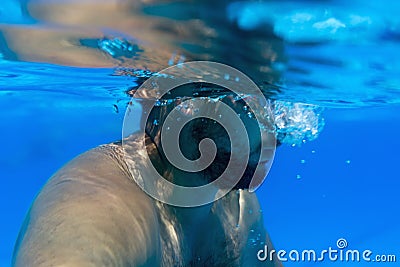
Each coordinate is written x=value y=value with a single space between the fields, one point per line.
x=297 y=123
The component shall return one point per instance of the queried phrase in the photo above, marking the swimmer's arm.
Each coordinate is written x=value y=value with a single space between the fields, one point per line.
x=89 y=214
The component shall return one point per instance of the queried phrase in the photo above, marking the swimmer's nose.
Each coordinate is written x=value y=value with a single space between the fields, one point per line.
x=268 y=147
x=265 y=162
x=267 y=155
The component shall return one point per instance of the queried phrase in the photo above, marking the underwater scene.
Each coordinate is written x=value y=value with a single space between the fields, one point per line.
x=329 y=68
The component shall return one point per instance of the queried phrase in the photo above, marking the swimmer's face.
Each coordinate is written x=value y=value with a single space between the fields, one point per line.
x=254 y=136
x=201 y=128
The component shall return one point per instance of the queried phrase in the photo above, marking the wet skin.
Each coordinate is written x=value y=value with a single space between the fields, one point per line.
x=91 y=213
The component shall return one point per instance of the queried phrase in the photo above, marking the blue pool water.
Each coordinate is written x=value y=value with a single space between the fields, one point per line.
x=64 y=79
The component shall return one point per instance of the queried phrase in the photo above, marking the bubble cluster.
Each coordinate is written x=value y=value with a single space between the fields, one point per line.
x=297 y=123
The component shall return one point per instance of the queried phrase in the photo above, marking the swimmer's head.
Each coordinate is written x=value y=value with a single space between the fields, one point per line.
x=201 y=128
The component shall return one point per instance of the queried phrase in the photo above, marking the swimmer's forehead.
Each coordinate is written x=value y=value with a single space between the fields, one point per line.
x=191 y=90
x=197 y=89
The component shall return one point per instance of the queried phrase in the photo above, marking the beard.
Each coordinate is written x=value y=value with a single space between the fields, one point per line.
x=220 y=164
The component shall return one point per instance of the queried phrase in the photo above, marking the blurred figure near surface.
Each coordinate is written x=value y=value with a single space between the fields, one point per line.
x=138 y=34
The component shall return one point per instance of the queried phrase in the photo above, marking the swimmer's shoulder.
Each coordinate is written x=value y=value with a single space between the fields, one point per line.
x=90 y=207
x=104 y=162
